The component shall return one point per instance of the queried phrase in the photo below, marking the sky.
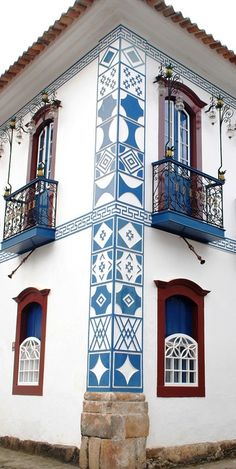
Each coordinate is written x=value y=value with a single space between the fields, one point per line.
x=23 y=21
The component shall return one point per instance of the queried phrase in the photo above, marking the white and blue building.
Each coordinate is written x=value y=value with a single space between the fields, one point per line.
x=118 y=225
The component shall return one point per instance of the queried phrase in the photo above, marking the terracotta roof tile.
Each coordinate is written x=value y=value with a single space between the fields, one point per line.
x=80 y=6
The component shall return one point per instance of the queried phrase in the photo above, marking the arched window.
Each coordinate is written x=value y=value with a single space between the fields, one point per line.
x=179 y=128
x=184 y=127
x=30 y=342
x=44 y=153
x=29 y=353
x=180 y=358
x=42 y=149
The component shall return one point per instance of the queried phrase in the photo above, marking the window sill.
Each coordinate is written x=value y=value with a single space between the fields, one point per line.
x=180 y=391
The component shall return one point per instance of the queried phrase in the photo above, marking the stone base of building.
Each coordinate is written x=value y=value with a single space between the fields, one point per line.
x=114 y=427
x=157 y=458
x=174 y=456
x=65 y=453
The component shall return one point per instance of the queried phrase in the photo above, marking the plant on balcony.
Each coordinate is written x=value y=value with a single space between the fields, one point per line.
x=40 y=169
x=221 y=175
x=169 y=151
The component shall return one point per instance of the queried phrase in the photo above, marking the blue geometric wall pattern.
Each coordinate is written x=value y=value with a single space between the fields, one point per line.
x=128 y=300
x=108 y=82
x=107 y=107
x=130 y=190
x=100 y=333
x=129 y=235
x=103 y=235
x=127 y=370
x=101 y=299
x=116 y=294
x=131 y=161
x=132 y=107
x=99 y=370
x=105 y=161
x=131 y=133
x=129 y=267
x=106 y=133
x=132 y=81
x=108 y=57
x=128 y=333
x=102 y=267
x=104 y=190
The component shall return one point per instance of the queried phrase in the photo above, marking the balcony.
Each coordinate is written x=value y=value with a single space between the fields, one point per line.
x=30 y=216
x=187 y=202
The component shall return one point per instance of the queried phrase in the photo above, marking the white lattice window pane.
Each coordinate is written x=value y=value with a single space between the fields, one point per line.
x=29 y=362
x=181 y=359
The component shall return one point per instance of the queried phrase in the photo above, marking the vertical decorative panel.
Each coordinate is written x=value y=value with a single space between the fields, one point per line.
x=116 y=319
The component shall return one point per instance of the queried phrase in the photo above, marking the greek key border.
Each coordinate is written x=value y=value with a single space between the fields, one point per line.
x=102 y=213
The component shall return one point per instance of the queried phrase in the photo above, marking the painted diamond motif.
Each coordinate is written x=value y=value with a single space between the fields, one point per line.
x=102 y=236
x=99 y=369
x=133 y=57
x=128 y=300
x=131 y=161
x=101 y=300
x=129 y=267
x=108 y=57
x=102 y=267
x=129 y=235
x=105 y=161
x=127 y=370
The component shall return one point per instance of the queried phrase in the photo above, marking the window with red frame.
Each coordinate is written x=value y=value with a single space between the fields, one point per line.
x=42 y=149
x=185 y=127
x=30 y=342
x=181 y=362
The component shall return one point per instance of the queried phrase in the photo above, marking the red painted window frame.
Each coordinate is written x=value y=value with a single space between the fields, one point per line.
x=194 y=292
x=27 y=296
x=42 y=118
x=193 y=105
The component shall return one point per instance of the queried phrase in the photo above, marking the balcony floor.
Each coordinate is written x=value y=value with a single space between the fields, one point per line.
x=184 y=225
x=28 y=239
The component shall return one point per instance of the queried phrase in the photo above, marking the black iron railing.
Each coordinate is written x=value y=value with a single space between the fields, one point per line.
x=32 y=205
x=188 y=191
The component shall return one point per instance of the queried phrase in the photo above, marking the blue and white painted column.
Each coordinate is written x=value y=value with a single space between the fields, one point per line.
x=116 y=321
x=115 y=411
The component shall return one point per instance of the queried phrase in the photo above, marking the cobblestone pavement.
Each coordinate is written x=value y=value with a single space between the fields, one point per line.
x=18 y=460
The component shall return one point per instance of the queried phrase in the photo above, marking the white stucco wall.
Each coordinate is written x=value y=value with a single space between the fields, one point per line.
x=64 y=267
x=176 y=421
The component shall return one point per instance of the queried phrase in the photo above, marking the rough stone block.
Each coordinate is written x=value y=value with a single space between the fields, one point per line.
x=136 y=425
x=114 y=396
x=83 y=456
x=98 y=425
x=94 y=453
x=117 y=454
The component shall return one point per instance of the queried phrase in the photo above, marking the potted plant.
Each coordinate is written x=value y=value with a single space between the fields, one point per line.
x=221 y=174
x=7 y=190
x=40 y=169
x=169 y=151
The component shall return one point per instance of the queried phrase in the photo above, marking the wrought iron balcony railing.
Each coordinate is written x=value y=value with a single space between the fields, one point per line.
x=34 y=205
x=182 y=189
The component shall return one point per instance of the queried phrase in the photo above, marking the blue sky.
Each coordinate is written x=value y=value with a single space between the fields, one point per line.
x=31 y=18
